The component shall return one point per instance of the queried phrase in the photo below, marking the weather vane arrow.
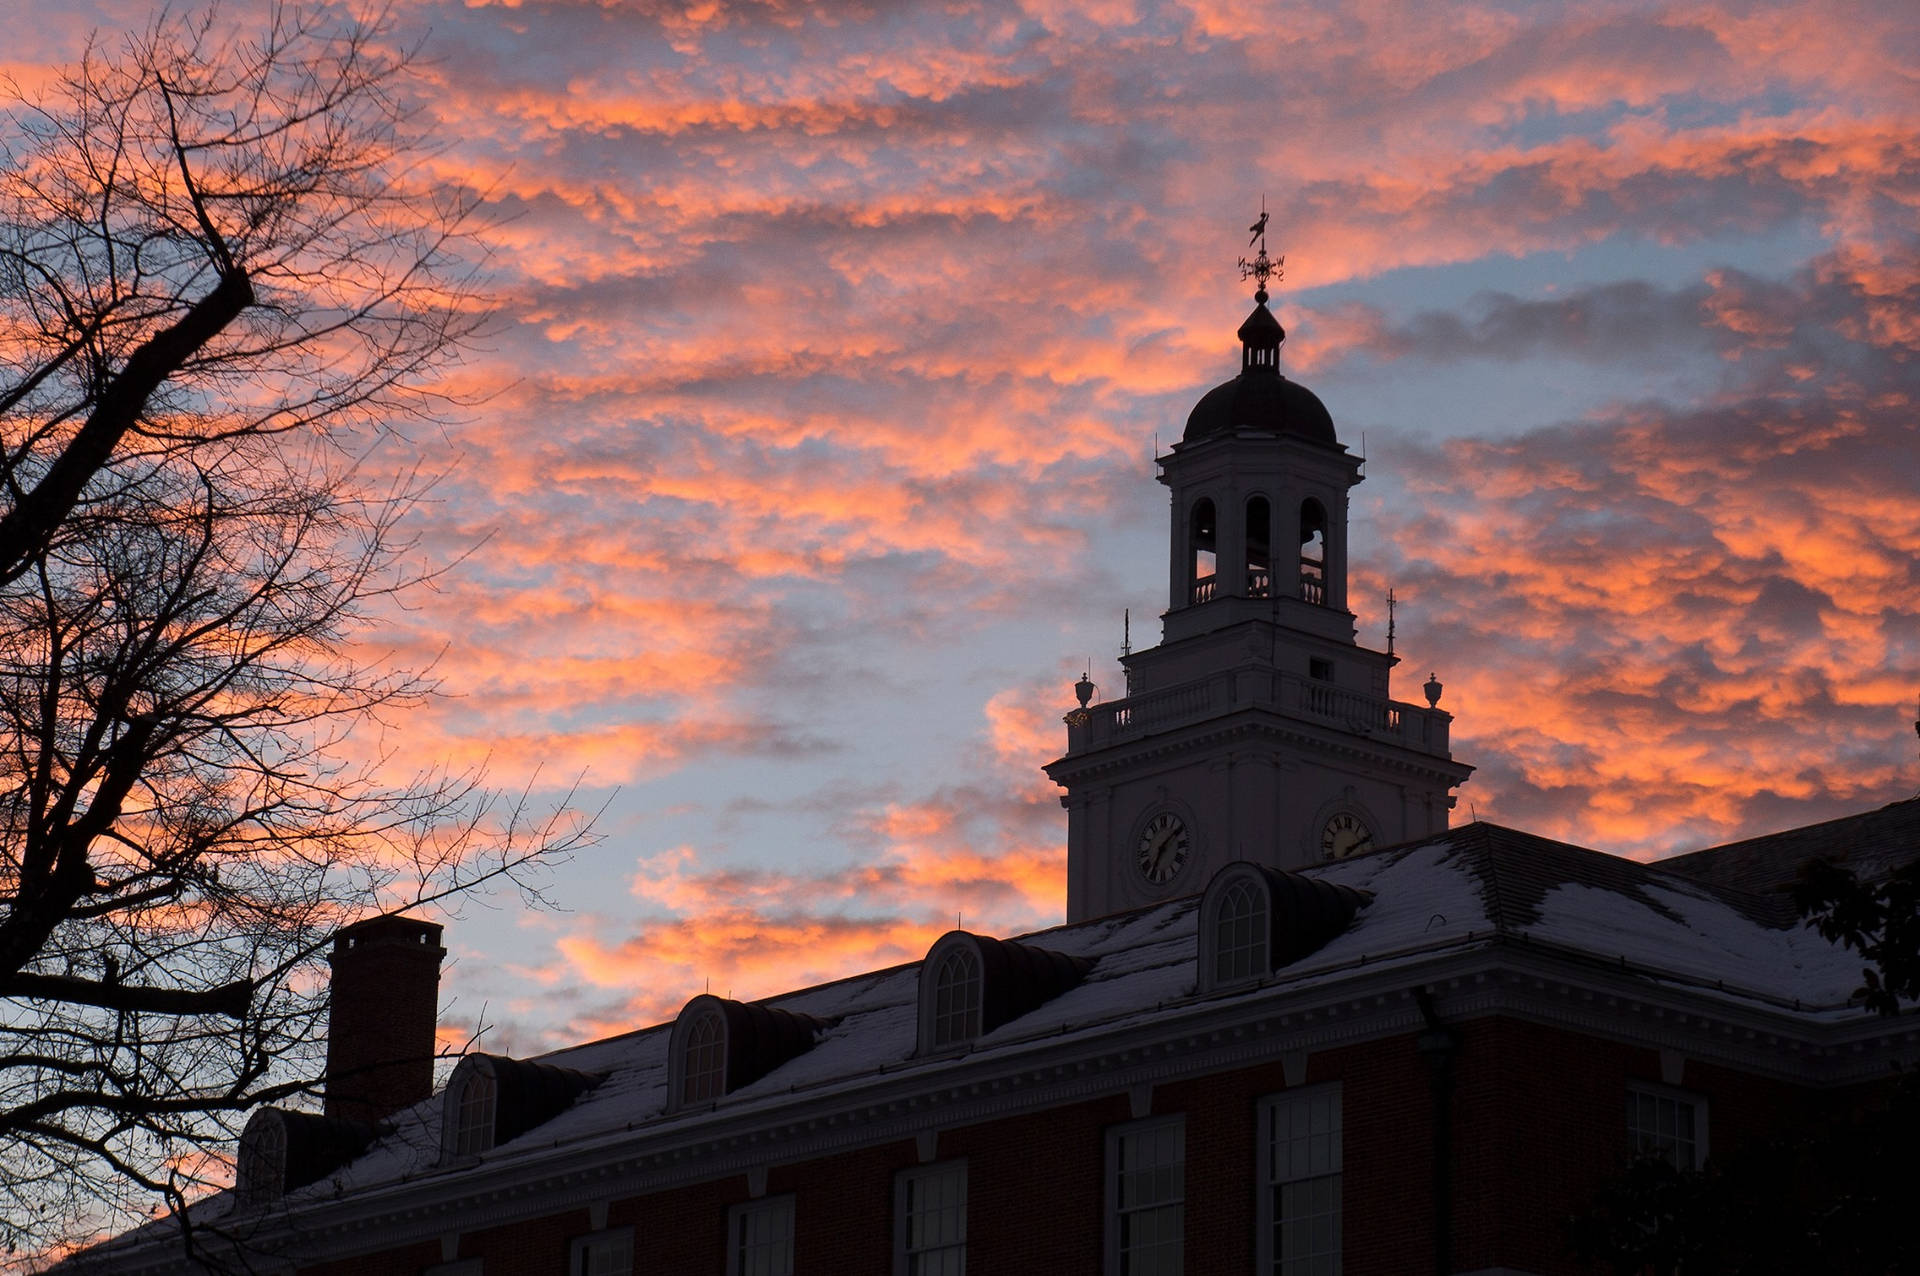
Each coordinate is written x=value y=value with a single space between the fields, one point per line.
x=1262 y=267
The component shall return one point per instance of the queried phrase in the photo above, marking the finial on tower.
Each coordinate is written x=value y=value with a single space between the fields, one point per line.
x=1262 y=267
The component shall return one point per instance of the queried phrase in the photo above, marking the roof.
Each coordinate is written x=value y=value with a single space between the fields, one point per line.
x=1477 y=889
x=1260 y=399
x=1871 y=844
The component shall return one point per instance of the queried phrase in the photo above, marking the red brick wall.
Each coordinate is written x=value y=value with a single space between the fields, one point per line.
x=1538 y=1120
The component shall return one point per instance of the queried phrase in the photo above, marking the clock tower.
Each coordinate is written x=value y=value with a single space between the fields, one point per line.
x=1259 y=729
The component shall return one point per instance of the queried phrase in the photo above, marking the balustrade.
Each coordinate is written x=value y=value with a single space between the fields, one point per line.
x=1308 y=698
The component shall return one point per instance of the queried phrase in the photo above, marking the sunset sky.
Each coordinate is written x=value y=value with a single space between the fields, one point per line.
x=834 y=341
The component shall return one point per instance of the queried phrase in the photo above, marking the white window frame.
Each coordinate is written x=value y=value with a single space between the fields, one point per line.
x=470 y=1109
x=740 y=1252
x=703 y=1060
x=953 y=994
x=1258 y=945
x=1250 y=946
x=958 y=987
x=612 y=1242
x=1642 y=1142
x=904 y=1251
x=460 y=1267
x=1299 y=1141
x=260 y=1169
x=1119 y=1139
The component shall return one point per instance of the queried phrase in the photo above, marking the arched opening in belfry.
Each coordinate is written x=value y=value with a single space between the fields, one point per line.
x=1259 y=544
x=1313 y=551
x=1203 y=538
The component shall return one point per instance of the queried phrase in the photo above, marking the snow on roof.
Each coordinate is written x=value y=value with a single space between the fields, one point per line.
x=1473 y=886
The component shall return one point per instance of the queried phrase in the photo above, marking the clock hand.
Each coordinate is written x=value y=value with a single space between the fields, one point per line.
x=1159 y=848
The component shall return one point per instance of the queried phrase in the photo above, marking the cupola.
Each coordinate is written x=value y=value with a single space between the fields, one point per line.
x=1260 y=399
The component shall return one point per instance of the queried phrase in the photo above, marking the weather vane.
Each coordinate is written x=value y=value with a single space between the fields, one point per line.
x=1262 y=267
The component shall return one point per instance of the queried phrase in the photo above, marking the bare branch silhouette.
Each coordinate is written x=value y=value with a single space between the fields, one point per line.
x=223 y=280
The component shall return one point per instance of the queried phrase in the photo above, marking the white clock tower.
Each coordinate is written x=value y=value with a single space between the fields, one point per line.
x=1258 y=729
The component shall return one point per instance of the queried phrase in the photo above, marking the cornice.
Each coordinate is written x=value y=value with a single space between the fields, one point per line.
x=1180 y=1039
x=1250 y=722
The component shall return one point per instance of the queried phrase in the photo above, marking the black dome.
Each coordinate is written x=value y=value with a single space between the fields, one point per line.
x=1261 y=399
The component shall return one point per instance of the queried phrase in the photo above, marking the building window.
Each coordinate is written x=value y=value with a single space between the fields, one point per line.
x=473 y=1110
x=1259 y=548
x=1313 y=552
x=465 y=1267
x=1300 y=1177
x=930 y=1212
x=956 y=997
x=760 y=1238
x=261 y=1175
x=1669 y=1124
x=704 y=1074
x=1202 y=537
x=1146 y=1198
x=1240 y=934
x=608 y=1253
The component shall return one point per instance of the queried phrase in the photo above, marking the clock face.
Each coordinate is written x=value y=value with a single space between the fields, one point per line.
x=1164 y=847
x=1346 y=834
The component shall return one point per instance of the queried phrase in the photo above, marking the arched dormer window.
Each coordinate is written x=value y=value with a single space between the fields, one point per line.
x=282 y=1151
x=1259 y=544
x=956 y=997
x=491 y=1100
x=470 y=1107
x=260 y=1177
x=1255 y=920
x=704 y=1077
x=1240 y=934
x=1203 y=538
x=972 y=984
x=1313 y=551
x=719 y=1046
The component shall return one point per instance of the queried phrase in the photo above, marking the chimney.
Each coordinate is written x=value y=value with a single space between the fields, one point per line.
x=386 y=1000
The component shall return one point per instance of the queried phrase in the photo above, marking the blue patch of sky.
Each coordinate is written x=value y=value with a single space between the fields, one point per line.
x=1502 y=397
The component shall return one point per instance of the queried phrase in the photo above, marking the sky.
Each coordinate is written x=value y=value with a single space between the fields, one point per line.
x=812 y=461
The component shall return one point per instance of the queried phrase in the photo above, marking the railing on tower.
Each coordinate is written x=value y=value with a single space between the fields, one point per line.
x=1259 y=582
x=1205 y=589
x=1313 y=583
x=1414 y=727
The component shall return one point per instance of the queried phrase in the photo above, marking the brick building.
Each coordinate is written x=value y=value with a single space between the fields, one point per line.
x=1295 y=1024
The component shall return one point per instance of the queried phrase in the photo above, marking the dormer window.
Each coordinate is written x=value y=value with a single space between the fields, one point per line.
x=956 y=997
x=261 y=1175
x=1255 y=920
x=282 y=1151
x=1240 y=934
x=718 y=1046
x=473 y=1108
x=971 y=984
x=705 y=1075
x=492 y=1100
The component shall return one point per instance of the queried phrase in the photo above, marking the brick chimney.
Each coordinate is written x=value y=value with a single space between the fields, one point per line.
x=386 y=1000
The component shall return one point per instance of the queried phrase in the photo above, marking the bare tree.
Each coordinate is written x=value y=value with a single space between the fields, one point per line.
x=223 y=276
